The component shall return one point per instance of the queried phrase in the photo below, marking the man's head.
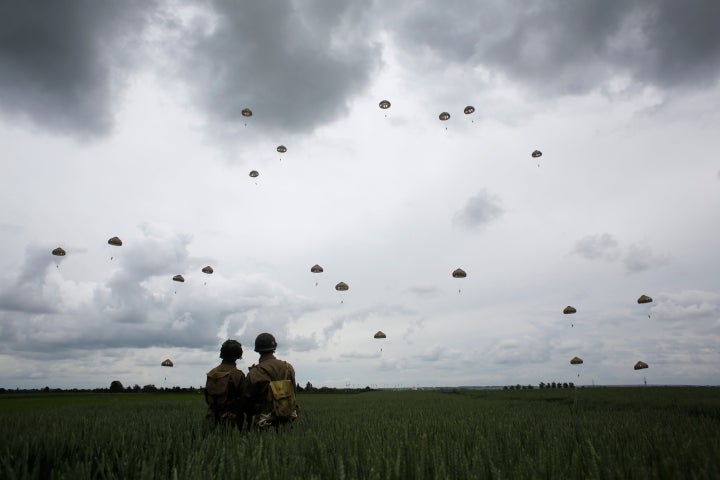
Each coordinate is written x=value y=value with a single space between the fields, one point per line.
x=265 y=343
x=231 y=350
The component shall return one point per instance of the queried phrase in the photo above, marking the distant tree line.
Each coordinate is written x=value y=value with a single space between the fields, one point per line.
x=116 y=386
x=541 y=385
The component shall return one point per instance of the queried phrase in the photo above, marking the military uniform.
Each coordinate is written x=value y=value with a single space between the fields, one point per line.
x=223 y=394
x=256 y=395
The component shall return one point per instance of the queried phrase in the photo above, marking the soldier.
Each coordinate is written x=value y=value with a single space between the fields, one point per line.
x=223 y=388
x=269 y=390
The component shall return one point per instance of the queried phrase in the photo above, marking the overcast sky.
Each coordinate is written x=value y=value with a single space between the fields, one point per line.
x=124 y=119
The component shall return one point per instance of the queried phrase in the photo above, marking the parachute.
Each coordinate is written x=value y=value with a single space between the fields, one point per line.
x=254 y=173
x=209 y=270
x=316 y=269
x=246 y=112
x=576 y=361
x=381 y=335
x=58 y=252
x=640 y=366
x=282 y=148
x=569 y=310
x=536 y=154
x=115 y=241
x=469 y=109
x=384 y=104
x=459 y=273
x=167 y=363
x=179 y=278
x=342 y=287
x=444 y=116
x=644 y=299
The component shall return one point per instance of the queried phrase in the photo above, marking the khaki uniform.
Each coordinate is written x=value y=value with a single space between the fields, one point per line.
x=257 y=397
x=228 y=409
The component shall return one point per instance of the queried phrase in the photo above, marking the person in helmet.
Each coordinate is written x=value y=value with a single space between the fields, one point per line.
x=223 y=388
x=259 y=399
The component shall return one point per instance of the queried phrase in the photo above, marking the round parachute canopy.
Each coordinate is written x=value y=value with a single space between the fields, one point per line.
x=576 y=361
x=459 y=273
x=444 y=116
x=179 y=278
x=254 y=173
x=246 y=112
x=384 y=104
x=569 y=309
x=115 y=241
x=644 y=299
x=59 y=252
x=380 y=334
x=282 y=148
x=640 y=366
x=341 y=287
x=316 y=269
x=536 y=154
x=469 y=109
x=167 y=363
x=208 y=269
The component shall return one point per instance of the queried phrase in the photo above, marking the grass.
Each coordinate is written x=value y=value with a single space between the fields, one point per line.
x=584 y=433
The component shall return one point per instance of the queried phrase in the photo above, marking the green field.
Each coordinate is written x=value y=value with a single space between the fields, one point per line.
x=645 y=432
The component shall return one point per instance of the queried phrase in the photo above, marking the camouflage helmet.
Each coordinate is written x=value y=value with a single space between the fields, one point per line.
x=231 y=350
x=265 y=342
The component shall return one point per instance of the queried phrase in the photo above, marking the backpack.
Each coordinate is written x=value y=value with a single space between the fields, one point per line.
x=217 y=390
x=283 y=400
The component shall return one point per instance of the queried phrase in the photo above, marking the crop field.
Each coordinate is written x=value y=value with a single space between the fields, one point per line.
x=640 y=433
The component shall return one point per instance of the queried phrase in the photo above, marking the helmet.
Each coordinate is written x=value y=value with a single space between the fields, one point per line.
x=231 y=350
x=265 y=342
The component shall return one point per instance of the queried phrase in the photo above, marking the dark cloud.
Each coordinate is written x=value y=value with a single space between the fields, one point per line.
x=61 y=62
x=479 y=210
x=572 y=47
x=296 y=66
x=599 y=246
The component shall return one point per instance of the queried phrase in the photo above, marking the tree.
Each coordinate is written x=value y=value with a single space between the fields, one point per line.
x=116 y=386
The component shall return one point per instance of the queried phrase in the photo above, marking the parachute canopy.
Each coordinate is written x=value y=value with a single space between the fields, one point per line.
x=576 y=361
x=316 y=269
x=58 y=252
x=444 y=116
x=379 y=334
x=282 y=148
x=254 y=173
x=536 y=154
x=115 y=241
x=459 y=273
x=640 y=365
x=179 y=278
x=167 y=363
x=341 y=287
x=384 y=104
x=208 y=269
x=569 y=309
x=469 y=109
x=644 y=299
x=246 y=112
